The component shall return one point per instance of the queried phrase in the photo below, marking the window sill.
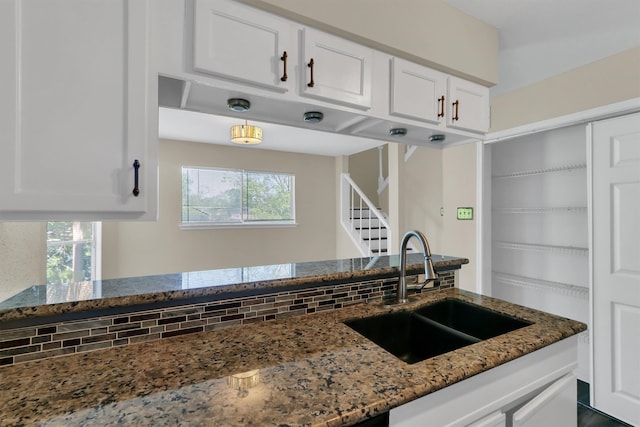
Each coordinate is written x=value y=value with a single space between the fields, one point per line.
x=214 y=226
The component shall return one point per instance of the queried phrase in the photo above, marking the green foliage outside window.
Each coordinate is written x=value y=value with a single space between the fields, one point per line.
x=236 y=196
x=69 y=252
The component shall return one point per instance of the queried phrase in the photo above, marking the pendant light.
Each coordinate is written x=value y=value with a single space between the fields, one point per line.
x=246 y=134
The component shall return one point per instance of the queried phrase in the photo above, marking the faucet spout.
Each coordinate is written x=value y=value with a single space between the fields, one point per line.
x=429 y=272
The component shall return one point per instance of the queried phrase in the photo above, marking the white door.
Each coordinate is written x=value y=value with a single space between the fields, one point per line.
x=76 y=110
x=242 y=43
x=616 y=267
x=556 y=406
x=335 y=69
x=417 y=92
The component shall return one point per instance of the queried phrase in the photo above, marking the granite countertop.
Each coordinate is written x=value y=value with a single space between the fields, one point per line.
x=313 y=371
x=51 y=300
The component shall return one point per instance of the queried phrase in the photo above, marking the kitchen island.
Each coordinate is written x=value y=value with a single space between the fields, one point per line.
x=309 y=370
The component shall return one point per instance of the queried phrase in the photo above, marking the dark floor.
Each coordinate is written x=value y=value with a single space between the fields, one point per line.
x=589 y=417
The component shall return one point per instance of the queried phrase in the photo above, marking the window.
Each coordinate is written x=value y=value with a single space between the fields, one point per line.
x=236 y=197
x=72 y=252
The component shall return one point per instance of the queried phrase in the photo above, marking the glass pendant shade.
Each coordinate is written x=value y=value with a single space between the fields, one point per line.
x=246 y=134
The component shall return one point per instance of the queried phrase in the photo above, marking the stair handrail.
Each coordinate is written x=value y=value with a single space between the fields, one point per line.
x=347 y=209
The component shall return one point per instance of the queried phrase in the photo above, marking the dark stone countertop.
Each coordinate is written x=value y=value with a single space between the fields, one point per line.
x=170 y=289
x=313 y=371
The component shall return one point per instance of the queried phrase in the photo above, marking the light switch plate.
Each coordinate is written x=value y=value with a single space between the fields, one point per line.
x=465 y=213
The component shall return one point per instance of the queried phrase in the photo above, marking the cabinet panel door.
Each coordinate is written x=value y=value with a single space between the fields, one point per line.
x=555 y=406
x=241 y=43
x=73 y=109
x=341 y=70
x=417 y=92
x=468 y=105
x=498 y=419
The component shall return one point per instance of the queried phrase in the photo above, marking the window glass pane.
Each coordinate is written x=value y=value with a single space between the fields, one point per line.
x=69 y=252
x=211 y=195
x=268 y=196
x=236 y=196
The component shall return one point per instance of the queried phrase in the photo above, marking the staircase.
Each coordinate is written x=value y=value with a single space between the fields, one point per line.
x=366 y=224
x=370 y=229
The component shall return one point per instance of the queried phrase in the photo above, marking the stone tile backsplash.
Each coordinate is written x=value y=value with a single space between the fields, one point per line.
x=66 y=337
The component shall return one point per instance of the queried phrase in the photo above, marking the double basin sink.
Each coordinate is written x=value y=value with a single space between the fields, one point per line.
x=434 y=329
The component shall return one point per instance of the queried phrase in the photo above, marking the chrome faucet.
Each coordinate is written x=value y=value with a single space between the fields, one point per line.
x=429 y=273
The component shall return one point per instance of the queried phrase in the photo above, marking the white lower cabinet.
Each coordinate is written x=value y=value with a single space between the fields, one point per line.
x=497 y=419
x=77 y=111
x=549 y=407
x=538 y=389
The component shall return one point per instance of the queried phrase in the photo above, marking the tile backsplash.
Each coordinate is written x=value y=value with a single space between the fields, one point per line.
x=67 y=337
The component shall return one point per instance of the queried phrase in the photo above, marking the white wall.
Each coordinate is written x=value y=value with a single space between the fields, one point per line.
x=23 y=255
x=612 y=79
x=137 y=248
x=459 y=190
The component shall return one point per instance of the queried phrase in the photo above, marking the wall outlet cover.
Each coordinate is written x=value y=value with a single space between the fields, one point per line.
x=465 y=213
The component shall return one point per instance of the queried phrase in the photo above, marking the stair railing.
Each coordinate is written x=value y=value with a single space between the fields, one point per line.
x=353 y=201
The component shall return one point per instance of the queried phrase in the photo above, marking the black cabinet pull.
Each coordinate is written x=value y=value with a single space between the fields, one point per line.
x=136 y=166
x=284 y=59
x=310 y=65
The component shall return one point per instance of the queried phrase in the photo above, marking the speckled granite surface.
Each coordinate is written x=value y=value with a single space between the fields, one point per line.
x=314 y=371
x=46 y=300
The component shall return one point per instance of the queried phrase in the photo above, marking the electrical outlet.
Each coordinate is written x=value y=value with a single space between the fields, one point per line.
x=465 y=213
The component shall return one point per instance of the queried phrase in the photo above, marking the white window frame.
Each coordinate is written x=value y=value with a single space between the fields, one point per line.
x=240 y=224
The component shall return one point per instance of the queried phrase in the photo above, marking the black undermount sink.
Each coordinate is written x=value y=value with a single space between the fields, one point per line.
x=434 y=329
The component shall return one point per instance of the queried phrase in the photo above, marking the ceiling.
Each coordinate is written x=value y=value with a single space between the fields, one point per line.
x=214 y=129
x=541 y=38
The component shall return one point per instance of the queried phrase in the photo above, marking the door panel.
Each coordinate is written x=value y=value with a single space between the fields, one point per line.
x=615 y=178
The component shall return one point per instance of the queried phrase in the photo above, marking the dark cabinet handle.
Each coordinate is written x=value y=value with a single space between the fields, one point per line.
x=136 y=166
x=441 y=102
x=283 y=58
x=310 y=65
x=455 y=109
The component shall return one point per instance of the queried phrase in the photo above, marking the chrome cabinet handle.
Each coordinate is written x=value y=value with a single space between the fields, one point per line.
x=136 y=166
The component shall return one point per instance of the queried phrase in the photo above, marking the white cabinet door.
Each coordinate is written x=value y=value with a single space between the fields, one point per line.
x=498 y=419
x=241 y=43
x=335 y=69
x=417 y=92
x=615 y=180
x=556 y=406
x=76 y=105
x=468 y=105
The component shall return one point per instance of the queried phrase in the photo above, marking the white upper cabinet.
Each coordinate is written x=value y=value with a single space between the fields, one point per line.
x=335 y=69
x=77 y=109
x=417 y=92
x=468 y=106
x=241 y=43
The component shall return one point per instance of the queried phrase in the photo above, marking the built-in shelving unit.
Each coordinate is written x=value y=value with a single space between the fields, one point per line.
x=539 y=224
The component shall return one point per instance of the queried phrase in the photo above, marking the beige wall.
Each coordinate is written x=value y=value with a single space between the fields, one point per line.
x=612 y=79
x=420 y=191
x=23 y=255
x=363 y=168
x=429 y=32
x=459 y=190
x=140 y=248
